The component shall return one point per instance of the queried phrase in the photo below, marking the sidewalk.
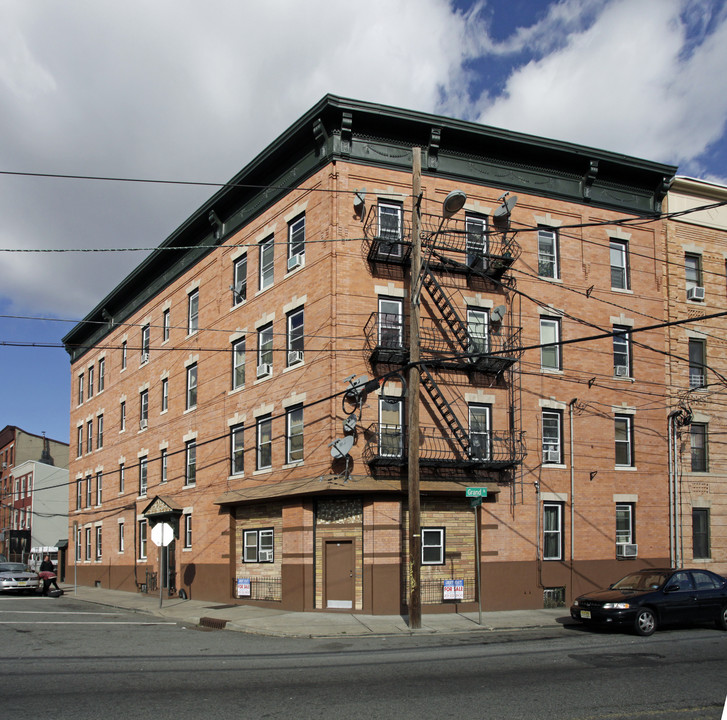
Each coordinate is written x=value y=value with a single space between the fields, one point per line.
x=269 y=621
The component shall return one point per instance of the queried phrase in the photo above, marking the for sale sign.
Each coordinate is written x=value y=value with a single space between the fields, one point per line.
x=453 y=590
x=243 y=587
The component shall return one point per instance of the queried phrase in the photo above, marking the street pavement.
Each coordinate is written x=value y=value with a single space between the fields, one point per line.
x=271 y=621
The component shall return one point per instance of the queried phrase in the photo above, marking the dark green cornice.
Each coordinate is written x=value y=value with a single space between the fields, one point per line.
x=377 y=135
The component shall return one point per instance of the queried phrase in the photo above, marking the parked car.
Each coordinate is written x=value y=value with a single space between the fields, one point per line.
x=647 y=599
x=18 y=577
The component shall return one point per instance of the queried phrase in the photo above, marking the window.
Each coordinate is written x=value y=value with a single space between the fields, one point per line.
x=143 y=477
x=237 y=450
x=619 y=265
x=693 y=270
x=697 y=362
x=295 y=337
x=265 y=350
x=476 y=242
x=698 y=442
x=90 y=382
x=122 y=477
x=88 y=543
x=550 y=338
x=547 y=253
x=391 y=427
x=99 y=487
x=552 y=531
x=166 y=325
x=79 y=438
x=99 y=432
x=80 y=389
x=625 y=533
x=700 y=533
x=89 y=436
x=621 y=351
x=123 y=355
x=477 y=321
x=257 y=546
x=192 y=386
x=432 y=546
x=145 y=335
x=79 y=494
x=188 y=530
x=163 y=461
x=238 y=364
x=267 y=266
x=390 y=216
x=78 y=544
x=391 y=323
x=294 y=434
x=624 y=440
x=264 y=442
x=142 y=539
x=296 y=242
x=98 y=542
x=552 y=437
x=239 y=281
x=101 y=374
x=143 y=409
x=165 y=394
x=122 y=416
x=193 y=312
x=190 y=473
x=121 y=536
x=479 y=423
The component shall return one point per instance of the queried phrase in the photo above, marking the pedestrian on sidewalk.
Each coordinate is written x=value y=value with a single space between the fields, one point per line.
x=48 y=575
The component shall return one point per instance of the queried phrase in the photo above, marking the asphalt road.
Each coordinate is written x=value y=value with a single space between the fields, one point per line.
x=67 y=659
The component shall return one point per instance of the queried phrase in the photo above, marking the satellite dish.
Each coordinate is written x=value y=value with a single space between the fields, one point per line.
x=503 y=212
x=341 y=447
x=498 y=313
x=349 y=424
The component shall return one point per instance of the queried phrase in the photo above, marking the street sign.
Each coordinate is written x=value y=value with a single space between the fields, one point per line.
x=162 y=534
x=476 y=492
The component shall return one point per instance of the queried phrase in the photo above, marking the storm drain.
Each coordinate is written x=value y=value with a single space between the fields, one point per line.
x=212 y=623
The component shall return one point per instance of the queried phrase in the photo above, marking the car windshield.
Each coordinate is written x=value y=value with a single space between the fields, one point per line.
x=641 y=581
x=13 y=567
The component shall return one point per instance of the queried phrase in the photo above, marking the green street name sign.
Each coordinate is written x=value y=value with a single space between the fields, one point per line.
x=476 y=492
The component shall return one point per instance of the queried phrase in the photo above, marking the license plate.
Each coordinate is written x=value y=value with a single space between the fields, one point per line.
x=586 y=614
x=22 y=582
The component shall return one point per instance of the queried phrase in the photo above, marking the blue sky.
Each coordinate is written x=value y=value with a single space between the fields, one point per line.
x=116 y=89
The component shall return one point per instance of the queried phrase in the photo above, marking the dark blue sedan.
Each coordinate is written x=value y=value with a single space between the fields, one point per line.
x=647 y=599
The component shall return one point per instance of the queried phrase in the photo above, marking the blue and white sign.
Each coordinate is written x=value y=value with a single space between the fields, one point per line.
x=243 y=587
x=453 y=590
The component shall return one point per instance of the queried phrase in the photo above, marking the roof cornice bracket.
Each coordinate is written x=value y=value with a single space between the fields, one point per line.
x=346 y=134
x=589 y=178
x=435 y=137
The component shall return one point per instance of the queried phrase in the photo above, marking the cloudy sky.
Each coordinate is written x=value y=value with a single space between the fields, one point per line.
x=190 y=90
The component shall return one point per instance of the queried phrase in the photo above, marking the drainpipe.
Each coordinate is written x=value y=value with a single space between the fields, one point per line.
x=671 y=432
x=571 y=405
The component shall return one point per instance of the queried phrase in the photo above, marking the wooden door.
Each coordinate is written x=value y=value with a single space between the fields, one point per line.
x=339 y=569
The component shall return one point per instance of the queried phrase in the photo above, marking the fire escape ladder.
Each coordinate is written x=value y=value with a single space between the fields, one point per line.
x=443 y=303
x=445 y=409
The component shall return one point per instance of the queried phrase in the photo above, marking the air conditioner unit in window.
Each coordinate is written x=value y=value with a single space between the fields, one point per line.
x=143 y=423
x=264 y=370
x=295 y=356
x=627 y=550
x=295 y=261
x=695 y=293
x=551 y=456
x=621 y=371
x=145 y=357
x=265 y=556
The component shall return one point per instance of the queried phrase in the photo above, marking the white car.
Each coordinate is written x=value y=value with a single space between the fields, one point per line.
x=18 y=577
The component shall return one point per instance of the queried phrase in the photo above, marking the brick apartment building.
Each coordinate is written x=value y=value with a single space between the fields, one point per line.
x=248 y=381
x=697 y=286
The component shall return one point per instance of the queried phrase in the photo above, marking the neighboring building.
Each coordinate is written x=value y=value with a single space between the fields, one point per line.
x=19 y=506
x=209 y=388
x=697 y=286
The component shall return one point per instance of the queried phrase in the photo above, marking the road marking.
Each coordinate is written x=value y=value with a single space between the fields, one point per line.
x=68 y=622
x=724 y=712
x=54 y=612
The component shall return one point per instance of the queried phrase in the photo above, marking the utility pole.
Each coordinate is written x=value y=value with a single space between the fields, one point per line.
x=415 y=539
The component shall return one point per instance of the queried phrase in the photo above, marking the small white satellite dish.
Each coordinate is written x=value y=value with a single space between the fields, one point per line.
x=341 y=447
x=349 y=424
x=498 y=313
x=505 y=209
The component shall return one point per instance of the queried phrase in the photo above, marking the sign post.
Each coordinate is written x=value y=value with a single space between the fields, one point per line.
x=161 y=535
x=475 y=494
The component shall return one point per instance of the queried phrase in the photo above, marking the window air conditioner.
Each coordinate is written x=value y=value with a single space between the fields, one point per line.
x=621 y=371
x=265 y=556
x=295 y=261
x=695 y=293
x=295 y=356
x=551 y=456
x=143 y=423
x=145 y=357
x=626 y=550
x=264 y=370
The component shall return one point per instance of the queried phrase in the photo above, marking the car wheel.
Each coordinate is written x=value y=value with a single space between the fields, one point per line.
x=645 y=622
x=722 y=619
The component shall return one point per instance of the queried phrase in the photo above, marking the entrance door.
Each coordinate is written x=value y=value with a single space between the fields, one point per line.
x=339 y=559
